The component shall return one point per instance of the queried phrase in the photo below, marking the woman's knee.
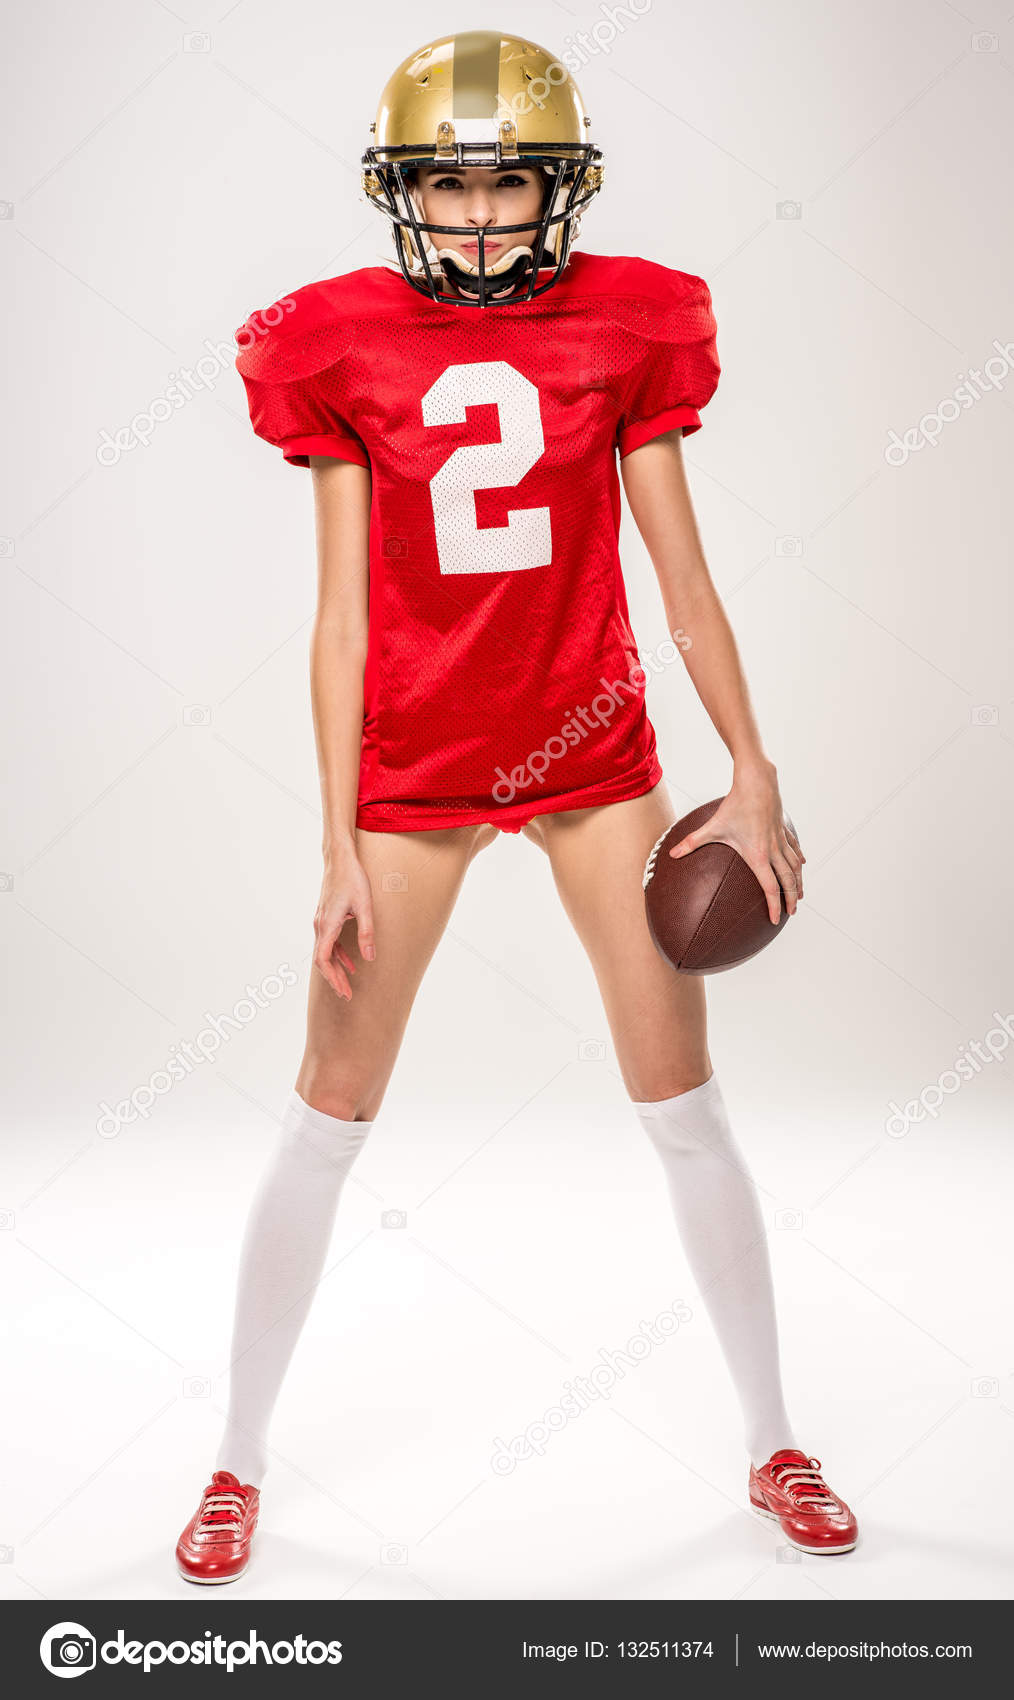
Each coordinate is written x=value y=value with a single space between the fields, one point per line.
x=339 y=1092
x=655 y=1087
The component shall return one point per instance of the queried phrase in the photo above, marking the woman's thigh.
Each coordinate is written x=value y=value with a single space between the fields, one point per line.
x=657 y=1017
x=352 y=1045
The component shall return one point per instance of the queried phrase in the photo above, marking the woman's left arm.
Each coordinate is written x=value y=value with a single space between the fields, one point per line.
x=751 y=818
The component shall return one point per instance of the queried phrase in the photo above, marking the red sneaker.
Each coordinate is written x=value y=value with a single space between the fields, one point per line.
x=215 y=1545
x=790 y=1489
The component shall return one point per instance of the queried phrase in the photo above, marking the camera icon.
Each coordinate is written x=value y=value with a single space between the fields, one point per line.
x=591 y=1050
x=393 y=1553
x=984 y=41
x=594 y=377
x=788 y=545
x=984 y=714
x=395 y=546
x=6 y=882
x=196 y=1387
x=394 y=882
x=197 y=42
x=68 y=1648
x=393 y=1218
x=788 y=209
x=985 y=1387
x=197 y=714
x=789 y=1219
x=787 y=1555
x=6 y=209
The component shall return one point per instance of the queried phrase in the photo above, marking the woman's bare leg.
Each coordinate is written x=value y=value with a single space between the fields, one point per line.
x=350 y=1052
x=351 y=1046
x=657 y=1018
x=658 y=1021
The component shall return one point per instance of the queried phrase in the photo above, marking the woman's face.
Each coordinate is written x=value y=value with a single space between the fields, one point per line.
x=481 y=198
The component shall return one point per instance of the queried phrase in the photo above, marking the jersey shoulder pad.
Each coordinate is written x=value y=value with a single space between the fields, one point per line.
x=310 y=329
x=628 y=277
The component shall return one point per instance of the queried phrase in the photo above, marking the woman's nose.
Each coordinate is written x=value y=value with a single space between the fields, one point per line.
x=478 y=210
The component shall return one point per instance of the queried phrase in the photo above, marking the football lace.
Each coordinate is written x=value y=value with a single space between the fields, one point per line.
x=649 y=866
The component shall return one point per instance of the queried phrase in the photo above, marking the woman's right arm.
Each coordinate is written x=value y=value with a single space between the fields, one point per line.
x=341 y=494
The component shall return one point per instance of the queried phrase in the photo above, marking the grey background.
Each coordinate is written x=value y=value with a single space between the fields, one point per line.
x=840 y=175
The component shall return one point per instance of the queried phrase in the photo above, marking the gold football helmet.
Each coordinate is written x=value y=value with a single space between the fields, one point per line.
x=481 y=98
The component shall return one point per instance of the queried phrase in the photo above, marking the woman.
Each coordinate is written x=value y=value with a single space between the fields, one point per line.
x=473 y=671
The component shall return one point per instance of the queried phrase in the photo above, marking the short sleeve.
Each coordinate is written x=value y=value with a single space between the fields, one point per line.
x=291 y=393
x=679 y=369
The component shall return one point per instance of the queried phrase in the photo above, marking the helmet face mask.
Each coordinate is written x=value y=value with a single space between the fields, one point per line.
x=430 y=253
x=473 y=100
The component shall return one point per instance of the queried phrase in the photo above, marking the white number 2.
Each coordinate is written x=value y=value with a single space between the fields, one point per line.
x=462 y=545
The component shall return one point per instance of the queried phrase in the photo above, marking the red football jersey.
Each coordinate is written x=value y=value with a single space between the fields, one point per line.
x=502 y=678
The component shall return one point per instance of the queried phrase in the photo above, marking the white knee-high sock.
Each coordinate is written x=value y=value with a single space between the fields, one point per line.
x=715 y=1203
x=284 y=1247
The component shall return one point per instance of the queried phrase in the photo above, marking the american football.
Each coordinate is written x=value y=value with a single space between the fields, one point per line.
x=707 y=910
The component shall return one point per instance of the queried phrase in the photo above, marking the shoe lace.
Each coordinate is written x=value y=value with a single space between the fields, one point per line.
x=221 y=1513
x=794 y=1478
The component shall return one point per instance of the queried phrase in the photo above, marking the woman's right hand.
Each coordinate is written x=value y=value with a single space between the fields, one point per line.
x=345 y=893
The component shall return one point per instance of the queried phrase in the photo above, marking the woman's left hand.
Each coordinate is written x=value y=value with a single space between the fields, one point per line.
x=751 y=819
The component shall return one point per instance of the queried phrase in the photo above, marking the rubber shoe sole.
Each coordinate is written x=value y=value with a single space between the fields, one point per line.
x=213 y=1581
x=818 y=1552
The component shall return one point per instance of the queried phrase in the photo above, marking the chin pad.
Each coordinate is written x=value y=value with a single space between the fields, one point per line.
x=507 y=273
